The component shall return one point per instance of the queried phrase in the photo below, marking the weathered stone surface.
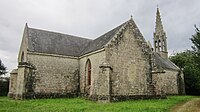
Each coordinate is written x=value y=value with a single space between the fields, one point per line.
x=96 y=60
x=130 y=64
x=13 y=83
x=120 y=66
x=55 y=74
x=166 y=82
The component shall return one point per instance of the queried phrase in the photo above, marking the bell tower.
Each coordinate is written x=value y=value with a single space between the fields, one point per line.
x=160 y=39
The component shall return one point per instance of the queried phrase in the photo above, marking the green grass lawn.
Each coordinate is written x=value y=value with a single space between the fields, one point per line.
x=82 y=105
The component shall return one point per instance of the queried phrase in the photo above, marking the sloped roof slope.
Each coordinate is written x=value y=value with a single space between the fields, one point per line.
x=99 y=42
x=164 y=63
x=55 y=43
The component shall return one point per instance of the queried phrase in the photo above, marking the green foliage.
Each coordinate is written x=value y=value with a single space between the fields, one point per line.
x=196 y=40
x=4 y=86
x=2 y=68
x=189 y=61
x=82 y=105
x=4 y=81
x=186 y=61
x=183 y=59
x=196 y=46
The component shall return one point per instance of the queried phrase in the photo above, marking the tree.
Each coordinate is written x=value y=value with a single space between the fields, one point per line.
x=2 y=69
x=4 y=81
x=196 y=46
x=189 y=61
x=185 y=60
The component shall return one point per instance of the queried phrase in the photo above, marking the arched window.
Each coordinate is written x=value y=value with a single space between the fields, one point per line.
x=22 y=56
x=88 y=72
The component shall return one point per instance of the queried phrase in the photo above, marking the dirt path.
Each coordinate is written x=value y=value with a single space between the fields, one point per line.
x=189 y=106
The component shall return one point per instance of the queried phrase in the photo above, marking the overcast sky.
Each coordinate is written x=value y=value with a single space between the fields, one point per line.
x=92 y=18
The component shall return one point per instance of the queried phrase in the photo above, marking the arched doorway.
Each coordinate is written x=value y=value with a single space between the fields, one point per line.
x=88 y=71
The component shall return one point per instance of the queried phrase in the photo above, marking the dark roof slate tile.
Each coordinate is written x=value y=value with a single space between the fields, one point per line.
x=55 y=43
x=164 y=63
x=99 y=42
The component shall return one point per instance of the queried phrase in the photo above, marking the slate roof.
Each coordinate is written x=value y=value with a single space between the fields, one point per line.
x=164 y=63
x=99 y=42
x=55 y=43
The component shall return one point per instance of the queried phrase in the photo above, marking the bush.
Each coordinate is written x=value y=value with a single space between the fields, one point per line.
x=4 y=86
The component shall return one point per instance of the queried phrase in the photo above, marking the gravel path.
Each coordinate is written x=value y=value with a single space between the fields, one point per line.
x=189 y=106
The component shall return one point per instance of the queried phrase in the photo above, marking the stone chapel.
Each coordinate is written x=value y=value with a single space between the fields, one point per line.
x=118 y=65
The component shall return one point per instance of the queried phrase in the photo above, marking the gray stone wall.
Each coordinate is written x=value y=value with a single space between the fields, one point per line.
x=24 y=69
x=166 y=82
x=181 y=83
x=23 y=46
x=104 y=87
x=120 y=70
x=130 y=64
x=13 y=83
x=20 y=82
x=96 y=60
x=55 y=74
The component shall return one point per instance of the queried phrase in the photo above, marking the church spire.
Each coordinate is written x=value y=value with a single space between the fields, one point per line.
x=159 y=26
x=160 y=39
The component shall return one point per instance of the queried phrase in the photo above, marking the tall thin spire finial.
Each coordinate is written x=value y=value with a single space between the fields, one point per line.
x=160 y=39
x=159 y=27
x=131 y=16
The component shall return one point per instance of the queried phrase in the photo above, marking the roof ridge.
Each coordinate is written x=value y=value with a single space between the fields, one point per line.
x=55 y=43
x=86 y=46
x=58 y=33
